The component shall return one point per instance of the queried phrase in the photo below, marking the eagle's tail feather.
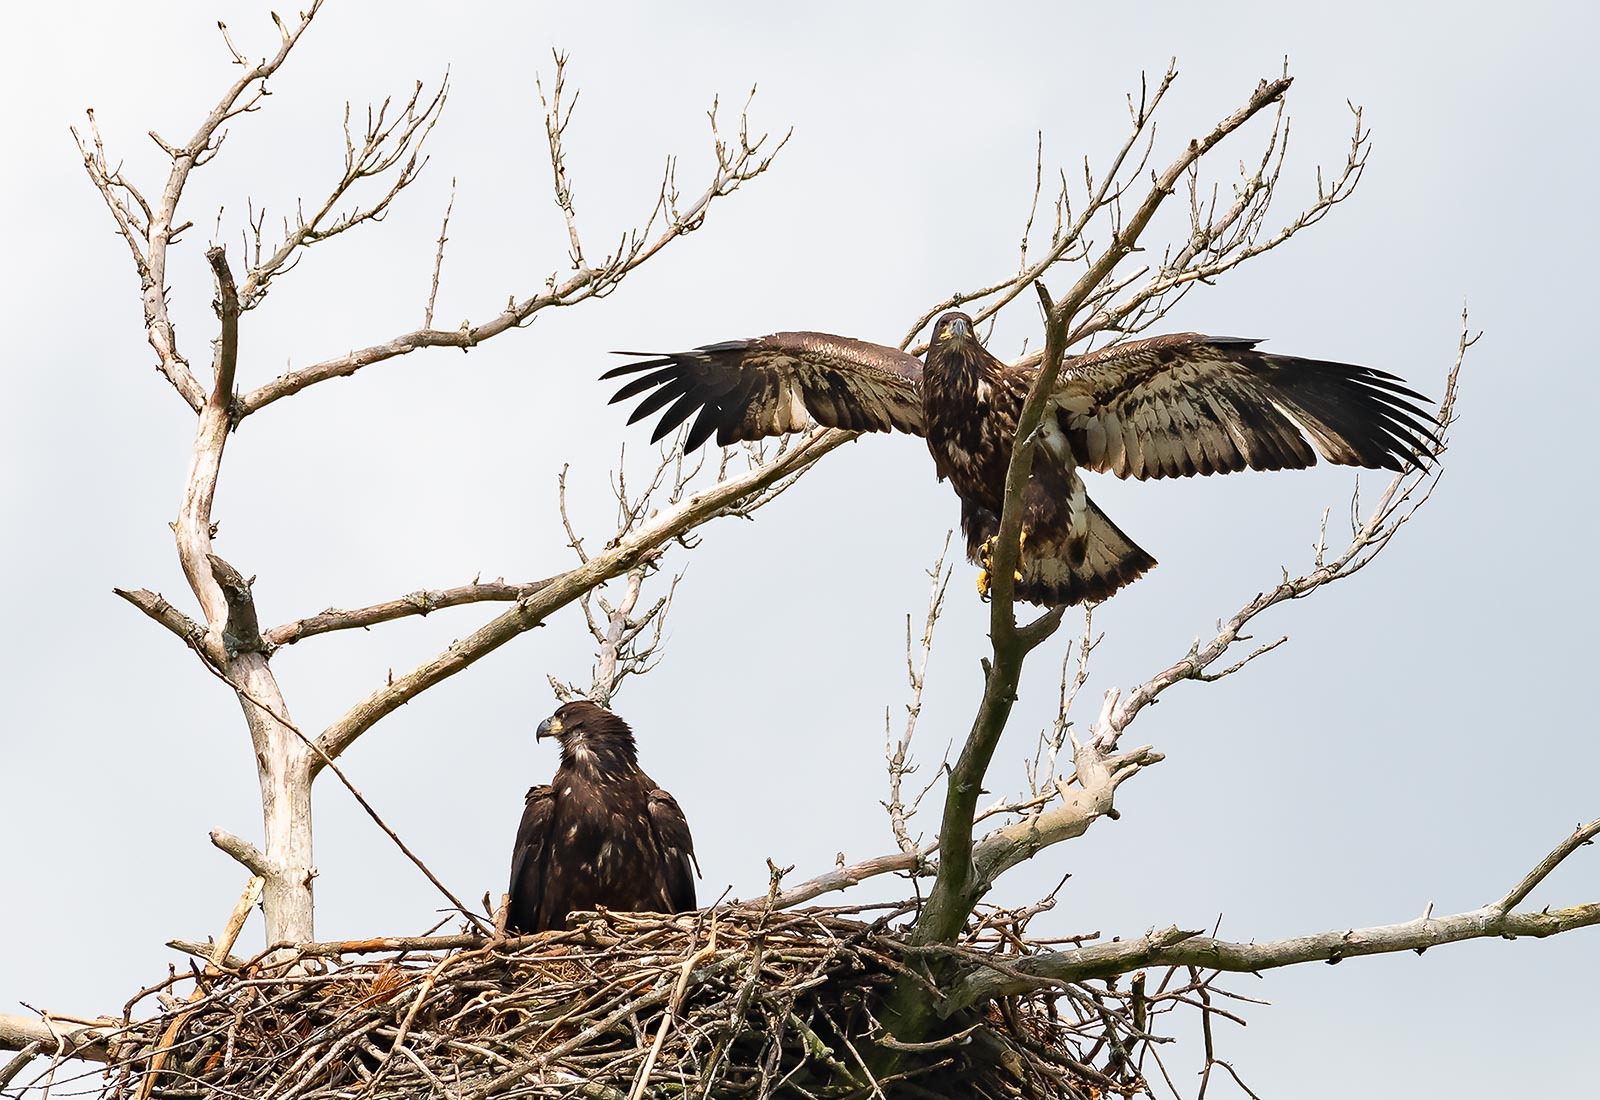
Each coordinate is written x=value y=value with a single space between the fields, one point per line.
x=1110 y=560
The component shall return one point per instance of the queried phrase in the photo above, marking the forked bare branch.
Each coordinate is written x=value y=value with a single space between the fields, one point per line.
x=1173 y=946
x=390 y=145
x=737 y=164
x=1396 y=505
x=1068 y=241
x=897 y=753
x=151 y=237
x=727 y=497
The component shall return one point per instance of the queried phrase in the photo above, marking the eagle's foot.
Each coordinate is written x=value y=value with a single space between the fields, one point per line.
x=986 y=560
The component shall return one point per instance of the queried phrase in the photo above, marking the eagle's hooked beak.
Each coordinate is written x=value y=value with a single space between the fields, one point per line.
x=960 y=326
x=550 y=727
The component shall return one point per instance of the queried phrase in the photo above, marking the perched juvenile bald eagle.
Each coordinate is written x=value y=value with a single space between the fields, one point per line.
x=1169 y=406
x=602 y=832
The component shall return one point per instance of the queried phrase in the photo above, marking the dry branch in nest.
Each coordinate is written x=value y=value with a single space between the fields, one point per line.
x=740 y=1001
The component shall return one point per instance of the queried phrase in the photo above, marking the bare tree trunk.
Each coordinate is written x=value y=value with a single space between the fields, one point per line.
x=283 y=767
x=233 y=647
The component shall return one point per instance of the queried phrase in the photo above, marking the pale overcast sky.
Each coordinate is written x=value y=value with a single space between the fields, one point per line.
x=1421 y=738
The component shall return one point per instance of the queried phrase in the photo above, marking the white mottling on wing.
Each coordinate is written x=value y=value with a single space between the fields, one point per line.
x=796 y=414
x=1055 y=440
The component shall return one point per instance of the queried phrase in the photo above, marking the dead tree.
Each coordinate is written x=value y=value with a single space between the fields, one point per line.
x=384 y=155
x=952 y=955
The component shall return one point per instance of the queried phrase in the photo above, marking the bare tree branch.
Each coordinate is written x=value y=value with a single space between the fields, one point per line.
x=156 y=606
x=1399 y=501
x=555 y=126
x=244 y=852
x=194 y=528
x=51 y=1035
x=735 y=167
x=897 y=753
x=629 y=639
x=533 y=609
x=421 y=602
x=843 y=877
x=151 y=239
x=438 y=257
x=387 y=146
x=1171 y=946
x=1069 y=241
x=1218 y=241
x=268 y=868
x=1581 y=837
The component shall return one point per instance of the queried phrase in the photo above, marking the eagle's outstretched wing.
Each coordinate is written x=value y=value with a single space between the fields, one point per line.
x=529 y=860
x=750 y=389
x=677 y=848
x=1185 y=404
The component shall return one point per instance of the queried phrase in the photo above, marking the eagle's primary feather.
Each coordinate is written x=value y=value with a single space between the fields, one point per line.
x=1169 y=406
x=600 y=833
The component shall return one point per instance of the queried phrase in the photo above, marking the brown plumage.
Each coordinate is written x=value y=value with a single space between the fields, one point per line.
x=1169 y=406
x=601 y=832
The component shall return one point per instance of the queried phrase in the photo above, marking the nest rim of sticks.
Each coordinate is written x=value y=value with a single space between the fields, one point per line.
x=737 y=1000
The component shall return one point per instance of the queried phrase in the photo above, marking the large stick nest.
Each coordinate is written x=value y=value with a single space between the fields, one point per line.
x=748 y=1003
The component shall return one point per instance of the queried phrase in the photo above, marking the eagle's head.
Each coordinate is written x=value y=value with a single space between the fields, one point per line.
x=953 y=327
x=959 y=371
x=590 y=735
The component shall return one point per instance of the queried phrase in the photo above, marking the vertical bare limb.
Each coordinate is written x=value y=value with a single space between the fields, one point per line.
x=233 y=643
x=897 y=753
x=627 y=644
x=555 y=128
x=438 y=257
x=629 y=638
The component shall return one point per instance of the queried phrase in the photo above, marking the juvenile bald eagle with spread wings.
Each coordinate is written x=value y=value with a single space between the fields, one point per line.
x=1169 y=406
x=601 y=833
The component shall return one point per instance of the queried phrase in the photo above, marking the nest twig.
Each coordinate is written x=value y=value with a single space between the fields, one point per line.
x=739 y=1001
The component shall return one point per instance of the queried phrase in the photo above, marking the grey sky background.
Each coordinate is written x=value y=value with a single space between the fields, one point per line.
x=1423 y=737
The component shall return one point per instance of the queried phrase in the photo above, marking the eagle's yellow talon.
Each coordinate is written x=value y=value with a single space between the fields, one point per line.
x=986 y=558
